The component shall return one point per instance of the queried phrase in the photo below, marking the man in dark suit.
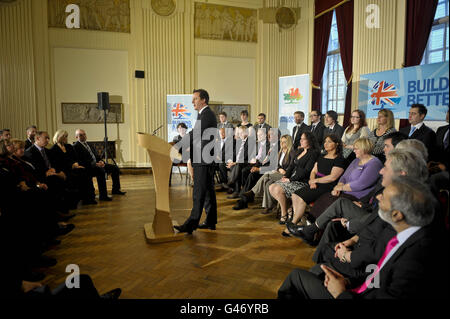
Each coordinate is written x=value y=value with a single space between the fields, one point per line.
x=31 y=133
x=299 y=128
x=419 y=131
x=317 y=127
x=406 y=268
x=439 y=169
x=204 y=196
x=225 y=150
x=332 y=126
x=261 y=123
x=88 y=158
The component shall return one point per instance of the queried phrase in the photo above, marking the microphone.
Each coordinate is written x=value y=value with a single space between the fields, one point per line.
x=156 y=131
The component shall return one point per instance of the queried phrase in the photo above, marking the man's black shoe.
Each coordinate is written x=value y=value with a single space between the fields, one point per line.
x=105 y=199
x=299 y=231
x=206 y=226
x=183 y=229
x=113 y=294
x=248 y=197
x=65 y=218
x=118 y=193
x=240 y=205
x=63 y=230
x=233 y=196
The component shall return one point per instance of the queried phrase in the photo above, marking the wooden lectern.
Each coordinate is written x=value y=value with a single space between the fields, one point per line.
x=161 y=230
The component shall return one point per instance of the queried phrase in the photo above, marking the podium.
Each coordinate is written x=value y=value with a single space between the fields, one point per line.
x=161 y=154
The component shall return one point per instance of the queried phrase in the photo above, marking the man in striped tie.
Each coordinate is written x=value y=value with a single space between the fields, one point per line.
x=407 y=268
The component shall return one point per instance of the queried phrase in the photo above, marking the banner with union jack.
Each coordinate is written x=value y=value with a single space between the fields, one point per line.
x=397 y=90
x=179 y=110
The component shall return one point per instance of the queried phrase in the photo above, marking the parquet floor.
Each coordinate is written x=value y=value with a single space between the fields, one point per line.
x=246 y=257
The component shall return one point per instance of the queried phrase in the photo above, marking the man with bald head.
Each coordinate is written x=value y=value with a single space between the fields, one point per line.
x=96 y=167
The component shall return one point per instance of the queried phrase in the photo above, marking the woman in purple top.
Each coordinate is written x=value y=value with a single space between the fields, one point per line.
x=358 y=180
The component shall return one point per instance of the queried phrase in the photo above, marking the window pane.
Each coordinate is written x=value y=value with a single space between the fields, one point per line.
x=446 y=55
x=436 y=57
x=440 y=11
x=436 y=38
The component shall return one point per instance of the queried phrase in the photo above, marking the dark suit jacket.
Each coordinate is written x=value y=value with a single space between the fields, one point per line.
x=249 y=151
x=303 y=128
x=318 y=132
x=33 y=156
x=62 y=161
x=83 y=156
x=443 y=153
x=426 y=135
x=337 y=130
x=266 y=126
x=205 y=120
x=299 y=170
x=227 y=151
x=411 y=272
x=28 y=143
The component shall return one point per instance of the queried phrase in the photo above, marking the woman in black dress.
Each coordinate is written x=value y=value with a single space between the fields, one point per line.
x=324 y=176
x=297 y=174
x=63 y=158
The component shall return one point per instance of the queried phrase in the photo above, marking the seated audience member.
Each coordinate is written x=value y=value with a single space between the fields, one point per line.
x=267 y=154
x=391 y=140
x=299 y=128
x=5 y=134
x=261 y=123
x=181 y=129
x=261 y=189
x=357 y=129
x=355 y=214
x=323 y=177
x=31 y=132
x=244 y=119
x=223 y=122
x=332 y=126
x=297 y=174
x=439 y=169
x=406 y=268
x=359 y=178
x=63 y=158
x=39 y=156
x=414 y=145
x=418 y=130
x=316 y=127
x=243 y=153
x=225 y=152
x=96 y=167
x=385 y=126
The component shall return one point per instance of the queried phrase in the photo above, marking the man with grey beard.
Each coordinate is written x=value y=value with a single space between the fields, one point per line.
x=406 y=266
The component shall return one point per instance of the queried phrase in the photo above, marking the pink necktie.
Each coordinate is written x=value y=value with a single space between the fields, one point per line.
x=391 y=244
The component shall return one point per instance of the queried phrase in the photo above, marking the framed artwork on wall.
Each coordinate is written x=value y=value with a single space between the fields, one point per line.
x=88 y=113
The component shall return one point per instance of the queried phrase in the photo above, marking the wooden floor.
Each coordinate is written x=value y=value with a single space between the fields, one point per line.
x=246 y=257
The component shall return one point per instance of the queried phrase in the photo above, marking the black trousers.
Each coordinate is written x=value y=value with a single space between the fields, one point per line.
x=223 y=173
x=99 y=173
x=249 y=180
x=204 y=196
x=302 y=284
x=334 y=233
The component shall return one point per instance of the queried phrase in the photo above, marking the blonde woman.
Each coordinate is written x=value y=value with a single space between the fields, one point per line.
x=385 y=126
x=357 y=128
x=261 y=189
x=63 y=158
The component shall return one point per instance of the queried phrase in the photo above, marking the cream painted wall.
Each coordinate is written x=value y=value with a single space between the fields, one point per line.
x=227 y=79
x=79 y=75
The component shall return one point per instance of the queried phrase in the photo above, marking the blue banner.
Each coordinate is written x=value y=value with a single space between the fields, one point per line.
x=179 y=109
x=293 y=96
x=397 y=90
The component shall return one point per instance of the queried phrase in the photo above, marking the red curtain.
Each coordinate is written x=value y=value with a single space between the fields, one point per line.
x=419 y=20
x=322 y=27
x=344 y=19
